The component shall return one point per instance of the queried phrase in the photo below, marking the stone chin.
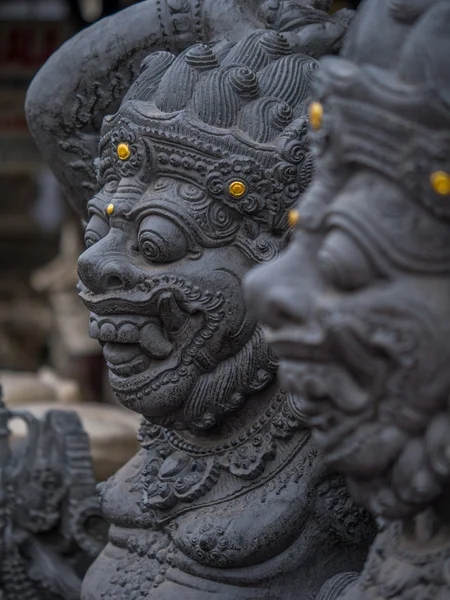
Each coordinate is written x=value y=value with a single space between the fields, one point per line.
x=197 y=395
x=178 y=367
x=151 y=368
x=326 y=392
x=335 y=371
x=151 y=352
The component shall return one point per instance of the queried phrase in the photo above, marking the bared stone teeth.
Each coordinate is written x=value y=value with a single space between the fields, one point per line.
x=140 y=366
x=171 y=314
x=128 y=334
x=153 y=342
x=108 y=333
x=94 y=329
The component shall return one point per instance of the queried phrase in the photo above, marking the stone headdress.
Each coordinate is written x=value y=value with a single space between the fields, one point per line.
x=230 y=121
x=233 y=96
x=395 y=121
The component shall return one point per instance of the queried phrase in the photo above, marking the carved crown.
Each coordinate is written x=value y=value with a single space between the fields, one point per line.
x=390 y=118
x=394 y=122
x=231 y=121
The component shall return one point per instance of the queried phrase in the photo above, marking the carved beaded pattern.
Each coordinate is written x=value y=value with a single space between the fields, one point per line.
x=177 y=18
x=265 y=183
x=142 y=569
x=244 y=457
x=180 y=443
x=211 y=544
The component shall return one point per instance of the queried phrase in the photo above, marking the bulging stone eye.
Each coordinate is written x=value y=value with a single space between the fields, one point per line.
x=343 y=262
x=96 y=230
x=161 y=240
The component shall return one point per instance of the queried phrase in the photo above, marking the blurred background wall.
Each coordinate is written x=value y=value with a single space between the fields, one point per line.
x=39 y=237
x=46 y=356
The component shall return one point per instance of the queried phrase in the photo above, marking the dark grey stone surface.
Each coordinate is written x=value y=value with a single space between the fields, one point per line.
x=357 y=307
x=195 y=175
x=51 y=526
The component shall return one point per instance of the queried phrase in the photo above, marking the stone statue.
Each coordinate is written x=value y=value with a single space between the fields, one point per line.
x=196 y=173
x=51 y=527
x=357 y=308
x=89 y=75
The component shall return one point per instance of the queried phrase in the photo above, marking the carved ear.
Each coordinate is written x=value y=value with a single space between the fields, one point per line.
x=84 y=80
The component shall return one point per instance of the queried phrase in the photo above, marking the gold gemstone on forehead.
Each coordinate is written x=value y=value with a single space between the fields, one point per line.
x=123 y=151
x=237 y=189
x=110 y=209
x=293 y=218
x=316 y=115
x=440 y=182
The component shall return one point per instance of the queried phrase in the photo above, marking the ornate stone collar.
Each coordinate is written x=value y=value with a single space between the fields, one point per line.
x=180 y=472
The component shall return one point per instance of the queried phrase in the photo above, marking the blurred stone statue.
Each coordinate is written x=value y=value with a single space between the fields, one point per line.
x=184 y=170
x=357 y=308
x=51 y=527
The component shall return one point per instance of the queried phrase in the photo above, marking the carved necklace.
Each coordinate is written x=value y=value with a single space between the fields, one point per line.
x=179 y=472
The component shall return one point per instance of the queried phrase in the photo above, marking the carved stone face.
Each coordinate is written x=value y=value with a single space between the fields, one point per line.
x=357 y=310
x=197 y=178
x=365 y=344
x=166 y=309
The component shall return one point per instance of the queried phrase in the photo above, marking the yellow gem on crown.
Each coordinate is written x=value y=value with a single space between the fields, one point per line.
x=440 y=181
x=123 y=151
x=110 y=209
x=237 y=189
x=293 y=218
x=316 y=115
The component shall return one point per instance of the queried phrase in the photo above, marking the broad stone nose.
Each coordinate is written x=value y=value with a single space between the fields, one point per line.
x=275 y=298
x=107 y=267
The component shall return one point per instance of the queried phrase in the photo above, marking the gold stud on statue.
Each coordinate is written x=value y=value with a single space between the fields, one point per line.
x=110 y=209
x=293 y=218
x=123 y=151
x=316 y=115
x=237 y=189
x=440 y=181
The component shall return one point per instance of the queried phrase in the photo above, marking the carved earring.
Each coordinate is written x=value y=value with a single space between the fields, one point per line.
x=293 y=217
x=316 y=115
x=440 y=181
x=237 y=189
x=123 y=151
x=110 y=209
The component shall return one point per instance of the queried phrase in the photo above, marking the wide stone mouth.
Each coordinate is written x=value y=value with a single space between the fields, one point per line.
x=296 y=344
x=135 y=343
x=131 y=343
